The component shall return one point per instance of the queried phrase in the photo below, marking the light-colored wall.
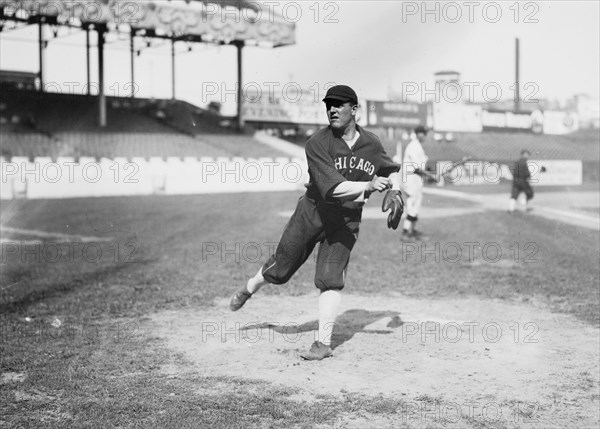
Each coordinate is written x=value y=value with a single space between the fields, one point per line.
x=66 y=178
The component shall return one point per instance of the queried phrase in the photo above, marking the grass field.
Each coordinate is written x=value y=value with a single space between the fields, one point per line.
x=85 y=341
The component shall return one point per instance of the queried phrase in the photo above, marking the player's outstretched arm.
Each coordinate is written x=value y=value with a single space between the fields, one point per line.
x=349 y=191
x=360 y=191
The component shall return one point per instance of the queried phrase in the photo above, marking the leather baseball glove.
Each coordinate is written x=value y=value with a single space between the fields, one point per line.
x=393 y=200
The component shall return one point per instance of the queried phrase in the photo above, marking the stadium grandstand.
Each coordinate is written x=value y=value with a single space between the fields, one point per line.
x=52 y=125
x=37 y=123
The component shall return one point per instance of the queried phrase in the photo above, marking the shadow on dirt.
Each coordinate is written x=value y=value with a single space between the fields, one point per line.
x=348 y=323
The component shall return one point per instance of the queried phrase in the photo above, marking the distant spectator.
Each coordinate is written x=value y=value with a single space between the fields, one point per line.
x=214 y=107
x=521 y=176
x=31 y=122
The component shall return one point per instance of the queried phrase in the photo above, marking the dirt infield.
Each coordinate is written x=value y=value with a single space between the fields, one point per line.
x=454 y=363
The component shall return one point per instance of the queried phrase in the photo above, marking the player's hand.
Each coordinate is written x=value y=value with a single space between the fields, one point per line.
x=378 y=184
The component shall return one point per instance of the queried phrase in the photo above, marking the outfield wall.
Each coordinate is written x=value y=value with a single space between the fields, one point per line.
x=67 y=178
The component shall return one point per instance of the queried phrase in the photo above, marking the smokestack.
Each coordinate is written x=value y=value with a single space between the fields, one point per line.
x=517 y=84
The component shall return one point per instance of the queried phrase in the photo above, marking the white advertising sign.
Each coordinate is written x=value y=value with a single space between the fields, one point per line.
x=452 y=117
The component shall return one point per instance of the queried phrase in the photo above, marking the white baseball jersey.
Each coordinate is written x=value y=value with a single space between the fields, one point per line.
x=414 y=157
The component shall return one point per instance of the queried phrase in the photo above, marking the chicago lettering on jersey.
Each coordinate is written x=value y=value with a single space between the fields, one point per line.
x=342 y=163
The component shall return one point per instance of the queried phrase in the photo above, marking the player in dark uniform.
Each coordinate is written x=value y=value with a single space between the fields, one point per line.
x=345 y=164
x=521 y=176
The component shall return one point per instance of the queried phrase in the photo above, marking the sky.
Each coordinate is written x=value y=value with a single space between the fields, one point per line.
x=377 y=47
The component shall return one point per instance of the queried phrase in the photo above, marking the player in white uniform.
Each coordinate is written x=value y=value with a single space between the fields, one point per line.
x=413 y=168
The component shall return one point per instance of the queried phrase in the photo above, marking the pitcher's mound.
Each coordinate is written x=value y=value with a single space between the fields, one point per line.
x=461 y=350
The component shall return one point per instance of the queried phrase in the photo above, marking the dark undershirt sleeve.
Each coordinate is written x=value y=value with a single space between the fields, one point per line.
x=526 y=171
x=387 y=165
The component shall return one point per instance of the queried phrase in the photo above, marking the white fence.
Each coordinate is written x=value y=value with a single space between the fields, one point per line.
x=67 y=178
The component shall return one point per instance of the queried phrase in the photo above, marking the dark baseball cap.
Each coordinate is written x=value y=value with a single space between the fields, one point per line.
x=420 y=129
x=341 y=93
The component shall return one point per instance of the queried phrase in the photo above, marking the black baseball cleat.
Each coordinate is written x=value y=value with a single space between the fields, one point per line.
x=318 y=351
x=414 y=235
x=417 y=234
x=239 y=299
x=407 y=236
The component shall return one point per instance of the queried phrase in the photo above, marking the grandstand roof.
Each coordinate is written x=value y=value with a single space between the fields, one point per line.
x=201 y=21
x=237 y=23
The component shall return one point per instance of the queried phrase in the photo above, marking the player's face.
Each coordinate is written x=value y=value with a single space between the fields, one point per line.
x=421 y=137
x=340 y=114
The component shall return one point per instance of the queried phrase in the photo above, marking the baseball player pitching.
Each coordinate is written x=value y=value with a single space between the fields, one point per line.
x=346 y=164
x=414 y=170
